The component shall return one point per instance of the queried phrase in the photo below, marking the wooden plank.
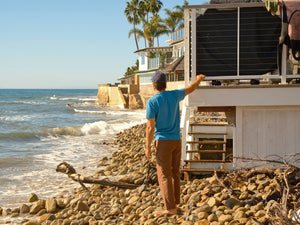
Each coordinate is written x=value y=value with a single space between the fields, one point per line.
x=205 y=133
x=210 y=124
x=205 y=151
x=206 y=160
x=206 y=142
x=217 y=109
x=202 y=170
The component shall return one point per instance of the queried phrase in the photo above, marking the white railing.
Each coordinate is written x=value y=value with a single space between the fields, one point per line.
x=177 y=35
x=154 y=63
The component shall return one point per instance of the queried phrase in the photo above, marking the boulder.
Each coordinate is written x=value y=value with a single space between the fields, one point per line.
x=51 y=205
x=39 y=205
x=32 y=198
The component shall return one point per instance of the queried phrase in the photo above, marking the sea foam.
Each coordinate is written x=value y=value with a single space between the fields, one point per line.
x=89 y=111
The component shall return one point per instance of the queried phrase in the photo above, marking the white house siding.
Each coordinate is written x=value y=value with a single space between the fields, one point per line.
x=143 y=66
x=146 y=79
x=178 y=50
x=267 y=133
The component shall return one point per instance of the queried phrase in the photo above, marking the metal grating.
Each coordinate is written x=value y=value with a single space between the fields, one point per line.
x=237 y=41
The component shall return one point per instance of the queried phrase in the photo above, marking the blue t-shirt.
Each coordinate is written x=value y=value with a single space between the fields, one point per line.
x=164 y=107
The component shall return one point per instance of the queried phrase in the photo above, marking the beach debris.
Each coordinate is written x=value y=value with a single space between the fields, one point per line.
x=151 y=175
x=296 y=217
x=66 y=168
x=30 y=223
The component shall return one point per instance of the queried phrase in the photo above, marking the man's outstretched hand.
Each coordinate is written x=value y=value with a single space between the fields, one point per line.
x=201 y=77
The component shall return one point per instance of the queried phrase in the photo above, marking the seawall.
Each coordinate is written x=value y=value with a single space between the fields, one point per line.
x=129 y=96
x=124 y=96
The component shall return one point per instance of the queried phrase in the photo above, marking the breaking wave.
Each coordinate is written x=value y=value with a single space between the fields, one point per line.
x=18 y=136
x=100 y=127
x=16 y=118
x=89 y=111
x=113 y=113
x=25 y=102
x=83 y=99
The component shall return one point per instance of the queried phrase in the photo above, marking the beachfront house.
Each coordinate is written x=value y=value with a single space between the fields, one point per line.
x=150 y=60
x=175 y=71
x=252 y=84
x=167 y=59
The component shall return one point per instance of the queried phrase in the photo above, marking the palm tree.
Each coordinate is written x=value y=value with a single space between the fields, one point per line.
x=137 y=34
x=159 y=28
x=173 y=21
x=162 y=56
x=131 y=70
x=154 y=29
x=179 y=14
x=151 y=6
x=146 y=32
x=154 y=7
x=143 y=10
x=132 y=14
x=143 y=14
x=179 y=8
x=147 y=7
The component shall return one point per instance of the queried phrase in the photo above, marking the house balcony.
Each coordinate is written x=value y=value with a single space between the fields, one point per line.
x=177 y=35
x=154 y=63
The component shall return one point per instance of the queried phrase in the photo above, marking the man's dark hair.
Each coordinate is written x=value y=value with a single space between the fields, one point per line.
x=160 y=85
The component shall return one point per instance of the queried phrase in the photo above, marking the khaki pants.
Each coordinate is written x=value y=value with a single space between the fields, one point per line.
x=168 y=156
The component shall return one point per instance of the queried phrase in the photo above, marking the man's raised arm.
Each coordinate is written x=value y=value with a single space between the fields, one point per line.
x=194 y=85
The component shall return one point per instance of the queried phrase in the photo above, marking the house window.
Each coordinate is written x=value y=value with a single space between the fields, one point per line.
x=143 y=58
x=181 y=51
x=172 y=77
x=180 y=77
x=167 y=77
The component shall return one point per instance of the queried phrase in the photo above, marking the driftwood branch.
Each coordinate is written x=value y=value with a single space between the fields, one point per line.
x=229 y=190
x=285 y=195
x=257 y=222
x=71 y=172
x=267 y=172
x=281 y=212
x=287 y=161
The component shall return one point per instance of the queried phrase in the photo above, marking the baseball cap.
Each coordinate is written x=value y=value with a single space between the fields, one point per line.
x=159 y=77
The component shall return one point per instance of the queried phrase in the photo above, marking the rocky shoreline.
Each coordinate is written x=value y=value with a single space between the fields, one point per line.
x=240 y=197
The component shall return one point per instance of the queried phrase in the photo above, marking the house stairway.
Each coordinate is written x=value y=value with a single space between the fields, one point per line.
x=206 y=147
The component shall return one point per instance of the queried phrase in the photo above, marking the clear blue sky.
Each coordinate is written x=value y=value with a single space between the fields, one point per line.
x=66 y=43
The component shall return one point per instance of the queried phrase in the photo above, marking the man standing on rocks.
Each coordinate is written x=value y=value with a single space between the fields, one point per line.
x=163 y=121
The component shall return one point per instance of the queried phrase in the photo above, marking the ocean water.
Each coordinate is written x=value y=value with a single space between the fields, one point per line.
x=38 y=130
